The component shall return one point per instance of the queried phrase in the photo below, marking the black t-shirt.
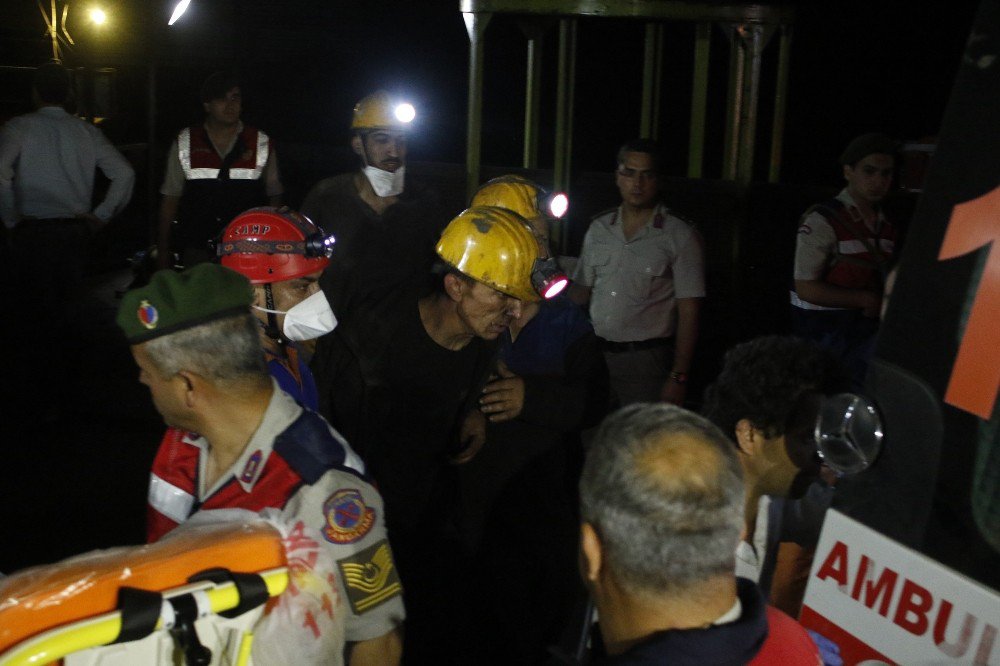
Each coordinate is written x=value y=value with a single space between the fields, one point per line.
x=395 y=394
x=401 y=241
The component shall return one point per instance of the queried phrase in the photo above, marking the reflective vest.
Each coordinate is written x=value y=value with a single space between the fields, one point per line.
x=218 y=188
x=300 y=455
x=861 y=256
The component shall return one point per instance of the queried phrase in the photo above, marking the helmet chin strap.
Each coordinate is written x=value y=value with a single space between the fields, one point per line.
x=271 y=329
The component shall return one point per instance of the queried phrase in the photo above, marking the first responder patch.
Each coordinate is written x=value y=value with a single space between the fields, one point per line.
x=370 y=577
x=148 y=316
x=348 y=519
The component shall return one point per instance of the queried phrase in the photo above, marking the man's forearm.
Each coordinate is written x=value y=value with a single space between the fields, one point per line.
x=828 y=295
x=686 y=336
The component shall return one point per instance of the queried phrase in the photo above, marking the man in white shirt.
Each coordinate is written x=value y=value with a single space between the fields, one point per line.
x=47 y=168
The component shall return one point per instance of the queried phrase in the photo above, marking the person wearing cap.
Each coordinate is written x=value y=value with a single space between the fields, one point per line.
x=214 y=171
x=551 y=383
x=408 y=374
x=641 y=270
x=377 y=215
x=236 y=440
x=843 y=252
x=283 y=254
x=48 y=161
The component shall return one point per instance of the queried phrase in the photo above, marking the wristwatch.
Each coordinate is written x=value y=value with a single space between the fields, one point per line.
x=678 y=377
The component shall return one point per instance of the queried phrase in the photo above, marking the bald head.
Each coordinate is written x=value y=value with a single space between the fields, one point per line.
x=663 y=489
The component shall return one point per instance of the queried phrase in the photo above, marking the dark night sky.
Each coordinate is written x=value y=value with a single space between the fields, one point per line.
x=856 y=67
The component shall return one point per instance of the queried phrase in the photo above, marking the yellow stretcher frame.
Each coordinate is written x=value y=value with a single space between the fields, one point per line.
x=105 y=629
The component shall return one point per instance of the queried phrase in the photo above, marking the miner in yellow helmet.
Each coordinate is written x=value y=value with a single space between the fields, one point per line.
x=377 y=215
x=551 y=383
x=409 y=366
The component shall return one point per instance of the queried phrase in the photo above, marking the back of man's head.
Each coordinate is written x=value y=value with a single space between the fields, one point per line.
x=663 y=490
x=762 y=379
x=52 y=83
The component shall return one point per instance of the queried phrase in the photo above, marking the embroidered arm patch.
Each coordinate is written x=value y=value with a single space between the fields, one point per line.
x=370 y=577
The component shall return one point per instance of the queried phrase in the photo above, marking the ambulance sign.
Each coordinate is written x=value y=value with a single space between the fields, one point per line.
x=883 y=603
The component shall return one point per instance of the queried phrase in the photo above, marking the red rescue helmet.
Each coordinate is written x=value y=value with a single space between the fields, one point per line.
x=270 y=244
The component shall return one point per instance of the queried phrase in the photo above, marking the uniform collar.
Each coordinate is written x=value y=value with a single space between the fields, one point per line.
x=281 y=411
x=655 y=223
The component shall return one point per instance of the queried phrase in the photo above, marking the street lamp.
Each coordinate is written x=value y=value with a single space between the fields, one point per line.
x=98 y=16
x=178 y=11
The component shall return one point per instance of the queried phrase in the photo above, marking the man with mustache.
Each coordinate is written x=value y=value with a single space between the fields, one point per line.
x=407 y=369
x=641 y=271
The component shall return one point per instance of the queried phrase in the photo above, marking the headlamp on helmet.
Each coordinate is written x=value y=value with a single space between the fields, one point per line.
x=524 y=197
x=547 y=279
x=379 y=111
x=270 y=244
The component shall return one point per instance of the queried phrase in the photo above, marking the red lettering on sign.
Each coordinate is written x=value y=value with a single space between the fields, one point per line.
x=911 y=613
x=958 y=648
x=975 y=377
x=835 y=566
x=883 y=588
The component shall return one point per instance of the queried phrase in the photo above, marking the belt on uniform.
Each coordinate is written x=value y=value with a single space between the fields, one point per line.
x=638 y=345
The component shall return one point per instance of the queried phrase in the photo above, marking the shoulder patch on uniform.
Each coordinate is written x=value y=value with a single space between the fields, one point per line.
x=370 y=577
x=348 y=518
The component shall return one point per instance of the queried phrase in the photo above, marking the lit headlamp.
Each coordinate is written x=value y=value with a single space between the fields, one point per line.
x=842 y=431
x=554 y=204
x=404 y=112
x=547 y=279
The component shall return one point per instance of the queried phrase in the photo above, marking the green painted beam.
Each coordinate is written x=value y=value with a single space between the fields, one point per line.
x=699 y=100
x=475 y=25
x=780 y=102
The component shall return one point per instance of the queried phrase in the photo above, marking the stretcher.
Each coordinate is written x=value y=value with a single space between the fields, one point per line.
x=192 y=598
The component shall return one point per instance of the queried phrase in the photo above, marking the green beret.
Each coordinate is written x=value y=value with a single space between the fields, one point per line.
x=865 y=145
x=173 y=301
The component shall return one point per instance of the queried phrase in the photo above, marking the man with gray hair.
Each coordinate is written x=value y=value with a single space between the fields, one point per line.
x=237 y=441
x=661 y=500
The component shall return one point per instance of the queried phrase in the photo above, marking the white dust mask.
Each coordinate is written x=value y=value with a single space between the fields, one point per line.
x=385 y=183
x=309 y=319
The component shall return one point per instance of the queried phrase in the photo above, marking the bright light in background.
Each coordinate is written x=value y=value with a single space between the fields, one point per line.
x=405 y=113
x=179 y=11
x=559 y=205
x=98 y=16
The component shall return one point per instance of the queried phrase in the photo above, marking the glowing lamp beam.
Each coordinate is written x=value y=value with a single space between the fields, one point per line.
x=98 y=16
x=179 y=11
x=555 y=288
x=405 y=113
x=559 y=205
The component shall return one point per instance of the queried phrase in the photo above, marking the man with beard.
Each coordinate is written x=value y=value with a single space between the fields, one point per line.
x=377 y=216
x=843 y=251
x=407 y=371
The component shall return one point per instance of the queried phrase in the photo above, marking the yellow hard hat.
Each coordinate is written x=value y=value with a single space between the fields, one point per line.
x=380 y=111
x=494 y=246
x=522 y=196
